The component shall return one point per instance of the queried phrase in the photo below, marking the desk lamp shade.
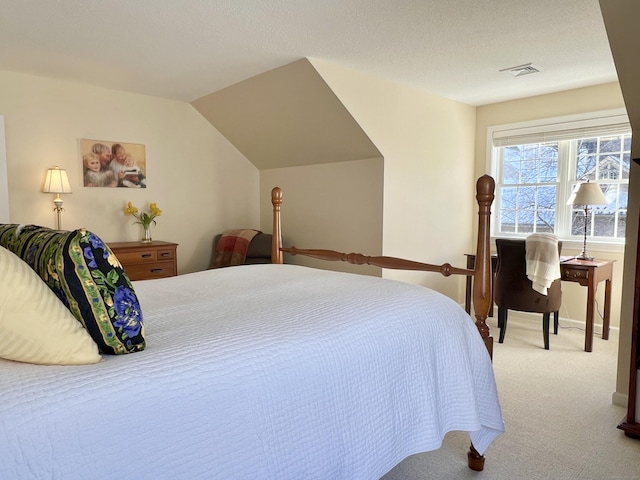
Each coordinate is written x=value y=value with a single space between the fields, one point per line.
x=586 y=194
x=57 y=182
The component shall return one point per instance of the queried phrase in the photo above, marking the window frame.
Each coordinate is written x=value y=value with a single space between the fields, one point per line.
x=600 y=119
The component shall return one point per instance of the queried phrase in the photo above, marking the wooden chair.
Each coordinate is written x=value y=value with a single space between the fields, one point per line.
x=513 y=290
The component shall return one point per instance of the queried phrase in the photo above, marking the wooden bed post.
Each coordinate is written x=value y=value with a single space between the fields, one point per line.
x=482 y=277
x=276 y=239
x=482 y=283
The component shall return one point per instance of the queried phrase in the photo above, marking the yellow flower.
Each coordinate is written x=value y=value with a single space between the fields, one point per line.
x=144 y=218
x=131 y=210
x=155 y=211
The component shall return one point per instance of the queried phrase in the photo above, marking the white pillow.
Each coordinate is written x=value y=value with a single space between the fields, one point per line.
x=35 y=326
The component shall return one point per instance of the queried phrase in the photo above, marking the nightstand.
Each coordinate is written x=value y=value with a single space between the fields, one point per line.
x=144 y=261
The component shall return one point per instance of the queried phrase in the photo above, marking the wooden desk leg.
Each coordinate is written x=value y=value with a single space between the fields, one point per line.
x=607 y=309
x=591 y=301
x=467 y=296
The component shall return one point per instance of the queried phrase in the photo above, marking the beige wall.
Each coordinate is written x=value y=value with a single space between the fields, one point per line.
x=336 y=206
x=629 y=290
x=199 y=180
x=4 y=185
x=621 y=20
x=427 y=143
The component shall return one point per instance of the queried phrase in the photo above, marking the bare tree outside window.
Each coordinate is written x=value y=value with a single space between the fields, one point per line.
x=531 y=177
x=528 y=188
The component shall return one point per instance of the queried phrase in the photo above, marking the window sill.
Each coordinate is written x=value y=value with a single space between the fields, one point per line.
x=593 y=246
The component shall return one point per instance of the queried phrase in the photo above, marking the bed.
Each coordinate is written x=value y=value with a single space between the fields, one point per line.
x=271 y=371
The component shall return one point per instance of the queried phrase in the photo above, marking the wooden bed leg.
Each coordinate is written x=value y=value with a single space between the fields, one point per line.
x=475 y=460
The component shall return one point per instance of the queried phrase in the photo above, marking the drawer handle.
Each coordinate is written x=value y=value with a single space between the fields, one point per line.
x=164 y=254
x=156 y=270
x=146 y=255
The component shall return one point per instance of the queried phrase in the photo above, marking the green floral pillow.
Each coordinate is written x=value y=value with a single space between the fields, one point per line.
x=87 y=277
x=8 y=234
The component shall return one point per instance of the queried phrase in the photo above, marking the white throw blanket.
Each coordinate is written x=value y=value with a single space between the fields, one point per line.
x=543 y=260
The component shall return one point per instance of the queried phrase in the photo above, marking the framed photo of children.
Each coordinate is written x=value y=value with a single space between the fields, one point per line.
x=113 y=164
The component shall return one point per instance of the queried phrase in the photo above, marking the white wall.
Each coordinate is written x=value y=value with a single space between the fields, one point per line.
x=428 y=144
x=200 y=181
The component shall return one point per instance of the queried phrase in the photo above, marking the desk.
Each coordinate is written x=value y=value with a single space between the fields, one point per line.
x=588 y=273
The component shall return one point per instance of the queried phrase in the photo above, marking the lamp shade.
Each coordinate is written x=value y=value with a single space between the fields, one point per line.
x=587 y=193
x=56 y=181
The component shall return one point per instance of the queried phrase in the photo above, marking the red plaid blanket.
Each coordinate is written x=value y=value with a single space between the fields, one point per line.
x=232 y=247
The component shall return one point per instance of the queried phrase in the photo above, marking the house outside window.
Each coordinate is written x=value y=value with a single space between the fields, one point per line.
x=536 y=165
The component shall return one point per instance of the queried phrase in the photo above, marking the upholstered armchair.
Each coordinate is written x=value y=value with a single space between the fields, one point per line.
x=259 y=250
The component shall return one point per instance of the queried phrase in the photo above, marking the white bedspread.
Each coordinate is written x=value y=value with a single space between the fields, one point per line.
x=258 y=372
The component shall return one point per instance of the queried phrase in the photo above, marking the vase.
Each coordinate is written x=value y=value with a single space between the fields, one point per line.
x=146 y=238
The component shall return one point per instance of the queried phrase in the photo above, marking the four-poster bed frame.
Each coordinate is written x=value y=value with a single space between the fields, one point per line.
x=255 y=371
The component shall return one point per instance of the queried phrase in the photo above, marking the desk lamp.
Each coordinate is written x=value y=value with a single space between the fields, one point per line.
x=586 y=194
x=57 y=182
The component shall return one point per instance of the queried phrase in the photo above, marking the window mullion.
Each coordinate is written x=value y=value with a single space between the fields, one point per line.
x=566 y=165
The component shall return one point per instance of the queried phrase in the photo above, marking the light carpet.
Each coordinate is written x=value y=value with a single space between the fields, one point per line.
x=557 y=409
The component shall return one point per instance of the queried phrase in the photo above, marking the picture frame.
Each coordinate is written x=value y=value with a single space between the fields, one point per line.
x=108 y=163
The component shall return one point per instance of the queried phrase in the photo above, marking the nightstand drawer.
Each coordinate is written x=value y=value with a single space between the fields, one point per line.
x=575 y=273
x=142 y=256
x=145 y=272
x=166 y=254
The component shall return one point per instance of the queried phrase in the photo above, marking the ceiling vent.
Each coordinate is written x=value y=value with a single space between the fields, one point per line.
x=521 y=70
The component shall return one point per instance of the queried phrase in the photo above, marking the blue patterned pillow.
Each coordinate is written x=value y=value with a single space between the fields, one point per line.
x=87 y=277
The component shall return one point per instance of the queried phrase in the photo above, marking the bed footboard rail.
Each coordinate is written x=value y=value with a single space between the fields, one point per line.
x=381 y=261
x=482 y=275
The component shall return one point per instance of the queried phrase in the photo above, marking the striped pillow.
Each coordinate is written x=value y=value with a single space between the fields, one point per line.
x=35 y=327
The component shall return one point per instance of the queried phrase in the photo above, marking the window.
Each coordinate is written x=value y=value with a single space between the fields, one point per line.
x=537 y=164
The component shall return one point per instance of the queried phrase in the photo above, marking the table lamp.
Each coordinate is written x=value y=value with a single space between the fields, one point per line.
x=586 y=194
x=57 y=182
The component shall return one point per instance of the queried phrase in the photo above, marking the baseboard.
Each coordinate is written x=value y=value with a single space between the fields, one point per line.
x=564 y=322
x=620 y=399
x=582 y=325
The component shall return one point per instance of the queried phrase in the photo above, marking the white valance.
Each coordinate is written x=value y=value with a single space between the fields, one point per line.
x=599 y=126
